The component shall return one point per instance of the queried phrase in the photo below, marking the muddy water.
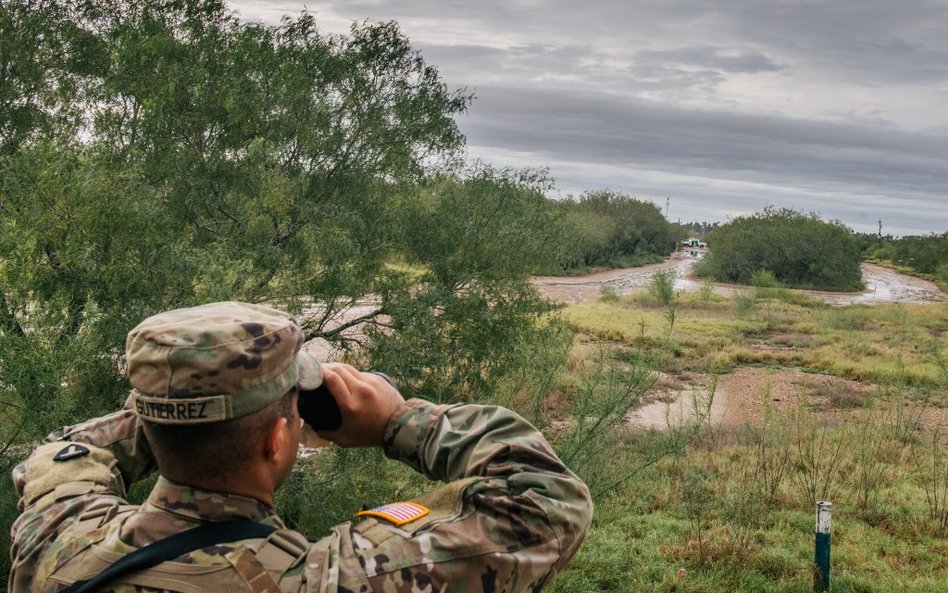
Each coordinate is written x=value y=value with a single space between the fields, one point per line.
x=882 y=285
x=688 y=406
x=576 y=289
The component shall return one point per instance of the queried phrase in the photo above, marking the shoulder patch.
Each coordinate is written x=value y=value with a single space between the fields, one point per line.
x=72 y=451
x=397 y=513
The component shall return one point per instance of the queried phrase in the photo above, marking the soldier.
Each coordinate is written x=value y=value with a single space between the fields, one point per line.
x=214 y=408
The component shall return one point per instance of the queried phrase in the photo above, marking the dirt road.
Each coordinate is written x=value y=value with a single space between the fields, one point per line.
x=882 y=285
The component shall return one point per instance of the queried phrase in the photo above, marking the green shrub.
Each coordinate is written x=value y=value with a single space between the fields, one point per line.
x=925 y=254
x=607 y=292
x=604 y=228
x=941 y=274
x=744 y=304
x=706 y=291
x=764 y=279
x=799 y=250
x=662 y=287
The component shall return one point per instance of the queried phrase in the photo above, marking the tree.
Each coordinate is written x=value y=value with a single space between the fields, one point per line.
x=608 y=228
x=800 y=250
x=586 y=239
x=163 y=153
x=925 y=254
x=477 y=237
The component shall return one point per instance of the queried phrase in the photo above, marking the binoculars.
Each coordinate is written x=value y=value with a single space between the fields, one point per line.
x=319 y=410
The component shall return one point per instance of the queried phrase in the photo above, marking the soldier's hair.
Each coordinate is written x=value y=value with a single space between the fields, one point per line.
x=215 y=451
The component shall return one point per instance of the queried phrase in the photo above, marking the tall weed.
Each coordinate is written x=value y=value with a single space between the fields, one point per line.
x=603 y=399
x=744 y=304
x=932 y=467
x=772 y=456
x=608 y=293
x=541 y=365
x=904 y=419
x=662 y=288
x=698 y=497
x=599 y=422
x=868 y=462
x=743 y=512
x=706 y=291
x=818 y=454
x=765 y=284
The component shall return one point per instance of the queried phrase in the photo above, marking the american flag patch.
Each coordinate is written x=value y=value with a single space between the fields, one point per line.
x=397 y=513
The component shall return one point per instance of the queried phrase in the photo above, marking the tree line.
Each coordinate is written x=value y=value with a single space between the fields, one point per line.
x=925 y=254
x=603 y=228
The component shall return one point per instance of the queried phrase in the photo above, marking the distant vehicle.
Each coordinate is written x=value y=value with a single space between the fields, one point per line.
x=692 y=242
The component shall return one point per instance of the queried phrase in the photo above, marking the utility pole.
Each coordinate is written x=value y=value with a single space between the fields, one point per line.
x=667 y=203
x=880 y=228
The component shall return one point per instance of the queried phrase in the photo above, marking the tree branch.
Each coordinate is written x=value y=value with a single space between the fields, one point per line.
x=334 y=332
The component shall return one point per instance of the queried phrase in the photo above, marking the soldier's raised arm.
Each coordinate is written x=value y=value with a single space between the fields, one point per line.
x=509 y=517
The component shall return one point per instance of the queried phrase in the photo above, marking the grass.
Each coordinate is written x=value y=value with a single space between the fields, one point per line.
x=645 y=536
x=730 y=510
x=634 y=548
x=882 y=343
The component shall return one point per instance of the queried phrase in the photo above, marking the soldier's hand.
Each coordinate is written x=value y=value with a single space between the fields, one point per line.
x=366 y=402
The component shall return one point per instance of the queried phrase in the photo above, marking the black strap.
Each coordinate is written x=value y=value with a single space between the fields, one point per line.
x=172 y=547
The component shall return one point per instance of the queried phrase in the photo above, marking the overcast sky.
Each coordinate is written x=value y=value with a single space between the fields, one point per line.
x=838 y=107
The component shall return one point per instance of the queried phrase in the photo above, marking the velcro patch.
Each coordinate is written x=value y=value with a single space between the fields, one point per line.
x=72 y=451
x=397 y=513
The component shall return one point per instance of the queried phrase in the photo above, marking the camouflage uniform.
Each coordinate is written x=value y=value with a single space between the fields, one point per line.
x=508 y=517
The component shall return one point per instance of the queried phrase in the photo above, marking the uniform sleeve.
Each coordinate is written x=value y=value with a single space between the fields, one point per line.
x=90 y=463
x=509 y=517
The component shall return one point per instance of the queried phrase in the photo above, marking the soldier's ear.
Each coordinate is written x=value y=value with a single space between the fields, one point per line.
x=275 y=440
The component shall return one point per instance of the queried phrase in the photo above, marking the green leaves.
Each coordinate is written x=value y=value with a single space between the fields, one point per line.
x=454 y=333
x=799 y=250
x=605 y=228
x=926 y=254
x=177 y=155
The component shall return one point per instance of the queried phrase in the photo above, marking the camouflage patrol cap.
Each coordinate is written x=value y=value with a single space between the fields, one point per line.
x=215 y=362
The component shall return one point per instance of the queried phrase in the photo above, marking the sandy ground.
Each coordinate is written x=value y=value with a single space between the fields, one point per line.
x=744 y=396
x=882 y=285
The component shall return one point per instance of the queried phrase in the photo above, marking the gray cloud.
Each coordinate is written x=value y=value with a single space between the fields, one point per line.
x=716 y=58
x=836 y=107
x=595 y=128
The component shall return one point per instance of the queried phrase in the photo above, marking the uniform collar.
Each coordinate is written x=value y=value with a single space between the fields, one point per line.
x=172 y=507
x=197 y=504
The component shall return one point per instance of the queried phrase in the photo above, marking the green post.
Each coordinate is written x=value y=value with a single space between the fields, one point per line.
x=824 y=516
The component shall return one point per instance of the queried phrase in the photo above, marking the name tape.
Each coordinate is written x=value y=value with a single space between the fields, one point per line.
x=190 y=411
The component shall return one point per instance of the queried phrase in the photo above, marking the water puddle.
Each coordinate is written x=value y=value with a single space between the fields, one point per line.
x=690 y=405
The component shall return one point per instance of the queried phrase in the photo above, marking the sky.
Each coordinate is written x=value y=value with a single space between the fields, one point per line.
x=711 y=110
